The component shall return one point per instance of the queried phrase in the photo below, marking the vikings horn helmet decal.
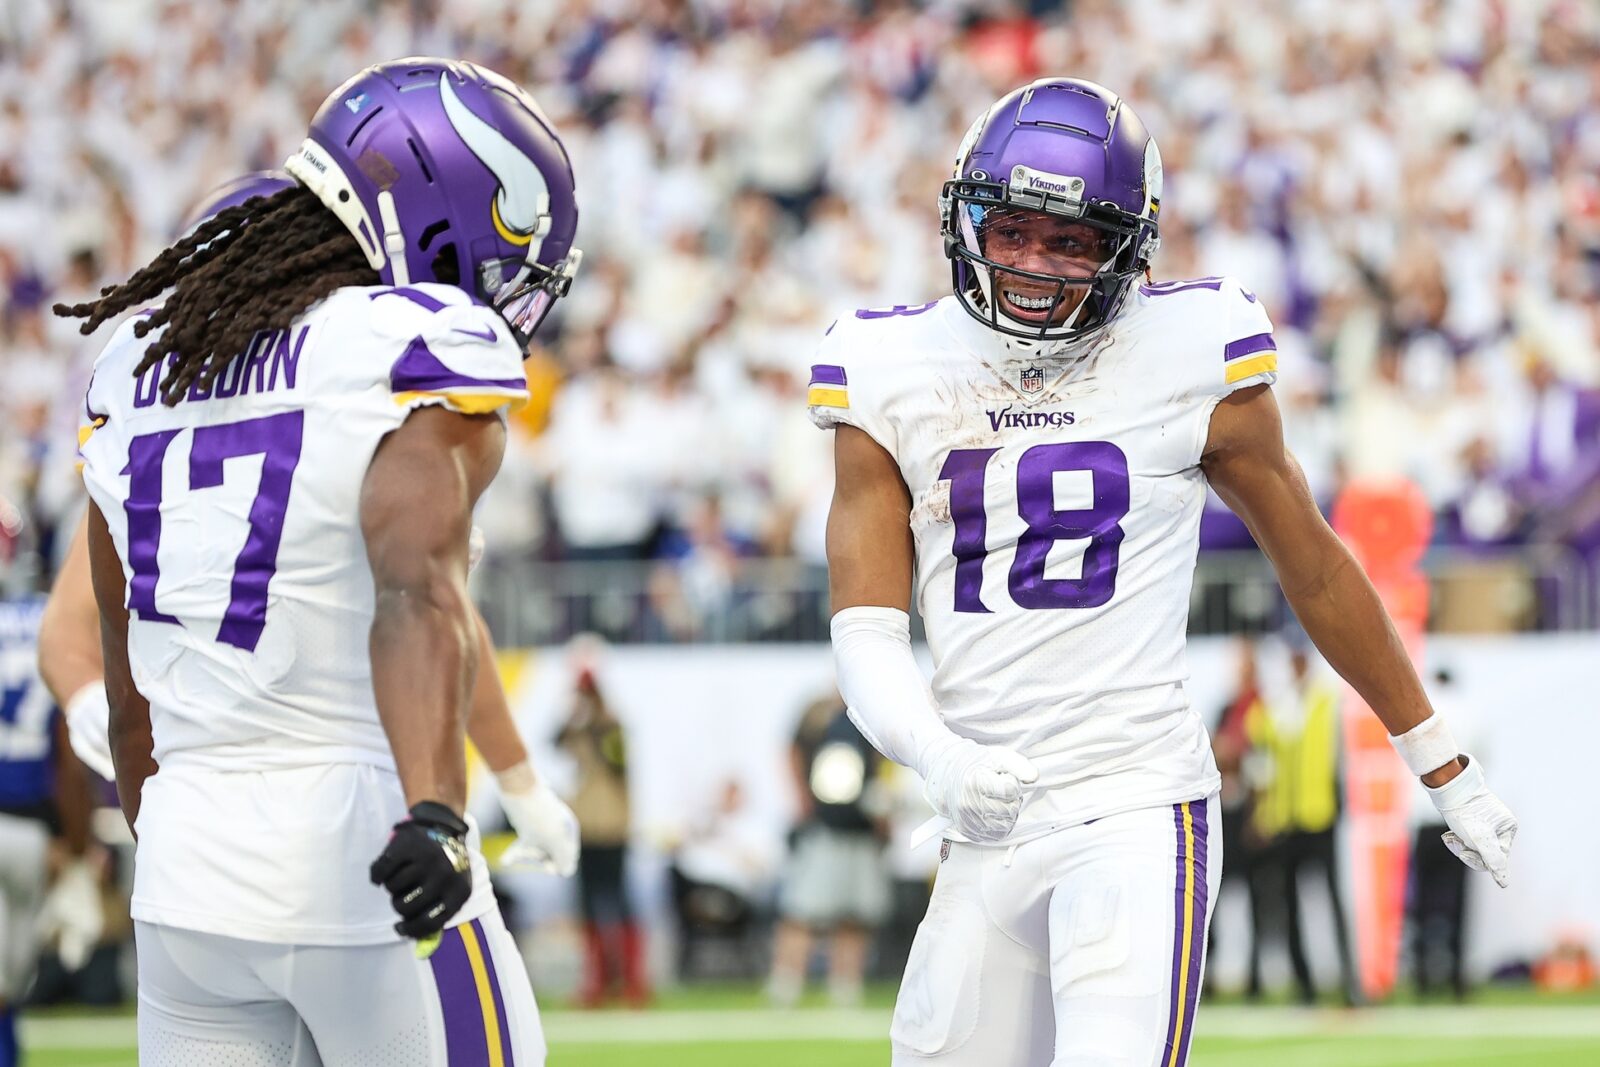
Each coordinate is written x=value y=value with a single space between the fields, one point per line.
x=520 y=209
x=444 y=171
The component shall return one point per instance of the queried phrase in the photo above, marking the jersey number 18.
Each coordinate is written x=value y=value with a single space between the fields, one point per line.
x=965 y=469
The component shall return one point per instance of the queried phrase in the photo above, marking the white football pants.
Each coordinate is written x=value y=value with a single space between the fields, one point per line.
x=207 y=1000
x=1082 y=948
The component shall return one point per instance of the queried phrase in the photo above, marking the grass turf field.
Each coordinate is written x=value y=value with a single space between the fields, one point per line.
x=731 y=1028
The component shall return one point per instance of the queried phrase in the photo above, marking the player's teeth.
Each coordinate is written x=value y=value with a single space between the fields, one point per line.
x=1032 y=303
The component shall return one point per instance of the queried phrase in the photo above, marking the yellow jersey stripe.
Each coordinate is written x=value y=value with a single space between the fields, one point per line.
x=826 y=397
x=466 y=403
x=480 y=978
x=1188 y=934
x=84 y=433
x=1244 y=368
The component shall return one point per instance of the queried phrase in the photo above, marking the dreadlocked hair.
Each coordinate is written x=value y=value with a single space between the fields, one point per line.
x=247 y=269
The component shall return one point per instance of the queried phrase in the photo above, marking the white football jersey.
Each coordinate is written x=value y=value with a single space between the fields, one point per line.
x=1056 y=513
x=236 y=516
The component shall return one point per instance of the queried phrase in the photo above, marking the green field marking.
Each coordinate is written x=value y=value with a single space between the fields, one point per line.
x=79 y=1058
x=1410 y=1052
x=730 y=1031
x=733 y=1054
x=1337 y=1052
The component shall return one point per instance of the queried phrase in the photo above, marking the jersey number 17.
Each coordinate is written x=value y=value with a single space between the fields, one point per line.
x=275 y=438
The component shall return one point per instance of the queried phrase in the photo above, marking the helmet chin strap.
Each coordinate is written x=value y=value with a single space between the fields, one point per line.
x=394 y=242
x=1048 y=347
x=1042 y=347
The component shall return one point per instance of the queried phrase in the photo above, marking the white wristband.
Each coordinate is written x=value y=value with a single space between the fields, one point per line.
x=517 y=779
x=1427 y=746
x=88 y=716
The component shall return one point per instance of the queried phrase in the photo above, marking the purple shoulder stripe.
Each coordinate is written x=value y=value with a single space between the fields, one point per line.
x=420 y=371
x=826 y=374
x=896 y=311
x=1168 y=288
x=416 y=296
x=1245 y=346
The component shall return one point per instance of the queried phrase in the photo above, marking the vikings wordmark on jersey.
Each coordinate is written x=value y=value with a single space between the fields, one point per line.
x=1056 y=527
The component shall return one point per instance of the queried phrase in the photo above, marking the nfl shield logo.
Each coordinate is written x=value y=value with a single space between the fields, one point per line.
x=1033 y=379
x=944 y=850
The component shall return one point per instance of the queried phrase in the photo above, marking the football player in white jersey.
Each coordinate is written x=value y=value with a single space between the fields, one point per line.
x=72 y=667
x=1029 y=457
x=282 y=459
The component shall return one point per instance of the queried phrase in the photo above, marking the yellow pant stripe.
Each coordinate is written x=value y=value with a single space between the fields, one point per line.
x=480 y=977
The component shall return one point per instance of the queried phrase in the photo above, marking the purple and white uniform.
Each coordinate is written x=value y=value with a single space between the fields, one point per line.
x=250 y=602
x=1056 y=512
x=1056 y=499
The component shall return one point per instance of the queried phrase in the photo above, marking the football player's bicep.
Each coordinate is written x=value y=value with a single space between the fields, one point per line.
x=1253 y=472
x=869 y=526
x=418 y=495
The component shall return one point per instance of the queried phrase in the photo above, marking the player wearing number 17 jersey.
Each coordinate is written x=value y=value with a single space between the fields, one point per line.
x=1029 y=457
x=282 y=460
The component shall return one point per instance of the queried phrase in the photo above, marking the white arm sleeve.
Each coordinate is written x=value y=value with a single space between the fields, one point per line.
x=888 y=698
x=89 y=729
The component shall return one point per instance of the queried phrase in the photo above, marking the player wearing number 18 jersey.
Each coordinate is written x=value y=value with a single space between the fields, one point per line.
x=1032 y=454
x=282 y=460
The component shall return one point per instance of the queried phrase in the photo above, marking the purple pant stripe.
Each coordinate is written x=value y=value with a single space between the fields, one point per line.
x=494 y=984
x=1246 y=346
x=1174 y=1017
x=465 y=1045
x=1197 y=946
x=825 y=374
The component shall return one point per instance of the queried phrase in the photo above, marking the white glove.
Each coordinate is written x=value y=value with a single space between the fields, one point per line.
x=547 y=831
x=1481 y=826
x=977 y=787
x=89 y=729
x=475 y=546
x=72 y=913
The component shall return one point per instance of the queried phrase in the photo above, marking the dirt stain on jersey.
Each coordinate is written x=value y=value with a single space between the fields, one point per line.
x=933 y=509
x=1067 y=377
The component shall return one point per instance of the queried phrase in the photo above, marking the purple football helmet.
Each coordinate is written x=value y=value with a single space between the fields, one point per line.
x=446 y=172
x=1072 y=152
x=235 y=192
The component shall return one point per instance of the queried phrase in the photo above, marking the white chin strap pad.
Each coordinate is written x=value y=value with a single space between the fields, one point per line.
x=313 y=168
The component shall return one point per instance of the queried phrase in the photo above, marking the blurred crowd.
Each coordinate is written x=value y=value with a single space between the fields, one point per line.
x=1412 y=187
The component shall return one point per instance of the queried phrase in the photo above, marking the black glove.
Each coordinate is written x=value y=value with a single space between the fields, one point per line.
x=425 y=868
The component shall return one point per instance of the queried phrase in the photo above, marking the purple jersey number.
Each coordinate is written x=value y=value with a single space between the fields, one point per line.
x=276 y=438
x=1099 y=524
